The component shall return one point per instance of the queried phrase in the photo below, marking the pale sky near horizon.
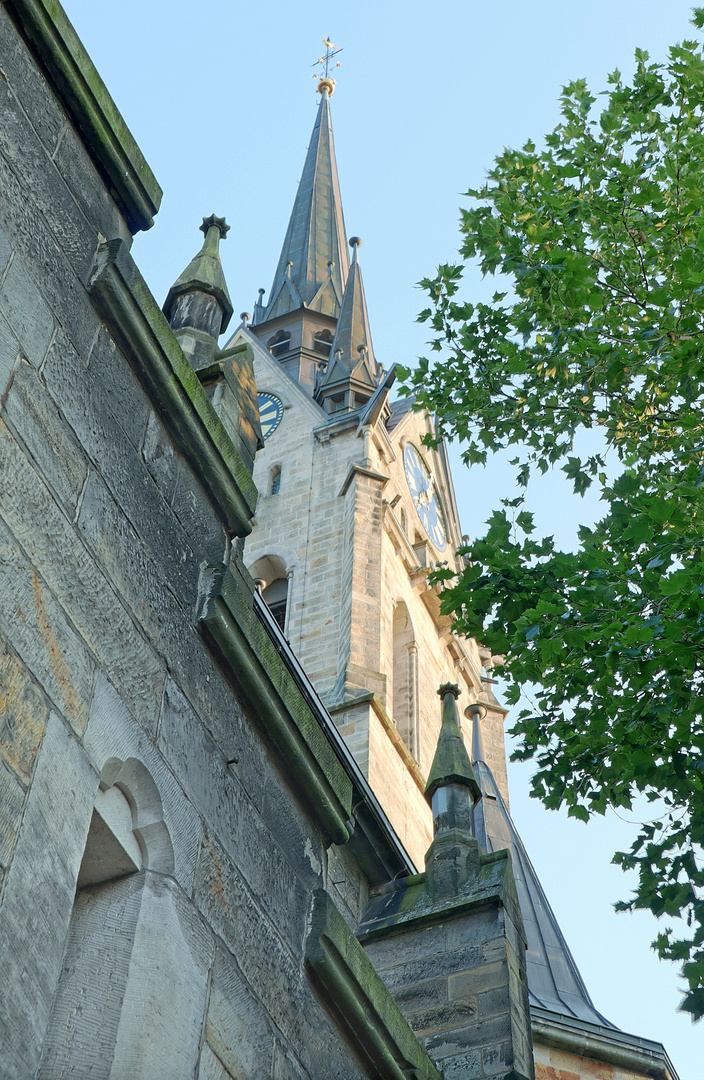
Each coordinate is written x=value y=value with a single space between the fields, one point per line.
x=221 y=100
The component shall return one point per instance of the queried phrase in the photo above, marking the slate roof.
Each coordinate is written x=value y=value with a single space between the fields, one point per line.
x=314 y=263
x=399 y=408
x=554 y=982
x=352 y=353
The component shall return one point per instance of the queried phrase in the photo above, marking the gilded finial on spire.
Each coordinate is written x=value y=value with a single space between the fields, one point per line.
x=326 y=82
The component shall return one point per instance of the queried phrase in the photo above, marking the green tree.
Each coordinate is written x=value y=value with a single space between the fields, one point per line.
x=600 y=237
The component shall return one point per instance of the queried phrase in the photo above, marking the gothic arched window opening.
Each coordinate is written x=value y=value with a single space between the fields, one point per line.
x=322 y=342
x=272 y=578
x=275 y=484
x=280 y=343
x=103 y=974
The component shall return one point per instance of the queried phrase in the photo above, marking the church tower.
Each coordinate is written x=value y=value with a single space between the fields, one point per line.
x=355 y=510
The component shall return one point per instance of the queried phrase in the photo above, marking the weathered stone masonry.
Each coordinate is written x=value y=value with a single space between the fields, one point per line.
x=186 y=847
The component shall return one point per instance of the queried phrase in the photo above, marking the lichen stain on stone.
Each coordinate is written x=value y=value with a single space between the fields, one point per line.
x=22 y=716
x=216 y=884
x=76 y=712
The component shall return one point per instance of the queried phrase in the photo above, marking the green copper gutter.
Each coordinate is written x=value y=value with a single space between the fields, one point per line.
x=138 y=326
x=83 y=94
x=362 y=1005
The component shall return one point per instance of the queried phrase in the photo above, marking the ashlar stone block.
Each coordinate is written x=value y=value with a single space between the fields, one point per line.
x=44 y=867
x=23 y=716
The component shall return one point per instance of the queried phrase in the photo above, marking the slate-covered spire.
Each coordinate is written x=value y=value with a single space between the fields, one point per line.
x=352 y=365
x=313 y=265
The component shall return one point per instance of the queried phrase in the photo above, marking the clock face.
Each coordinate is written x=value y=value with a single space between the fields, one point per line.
x=270 y=412
x=425 y=497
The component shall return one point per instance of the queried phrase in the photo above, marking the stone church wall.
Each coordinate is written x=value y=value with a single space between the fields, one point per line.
x=346 y=580
x=189 y=960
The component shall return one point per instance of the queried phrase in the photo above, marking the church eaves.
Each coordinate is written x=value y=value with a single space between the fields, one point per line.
x=314 y=264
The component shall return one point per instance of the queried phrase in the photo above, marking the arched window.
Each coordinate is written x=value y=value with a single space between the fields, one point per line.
x=272 y=578
x=280 y=343
x=123 y=895
x=405 y=678
x=276 y=597
x=322 y=342
x=275 y=482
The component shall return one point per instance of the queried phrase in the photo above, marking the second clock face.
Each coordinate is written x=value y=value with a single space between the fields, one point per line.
x=270 y=412
x=425 y=497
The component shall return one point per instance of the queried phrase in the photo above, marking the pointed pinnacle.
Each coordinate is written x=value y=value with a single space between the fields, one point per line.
x=204 y=273
x=475 y=712
x=451 y=764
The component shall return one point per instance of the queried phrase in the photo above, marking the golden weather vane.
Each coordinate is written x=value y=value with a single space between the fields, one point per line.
x=326 y=61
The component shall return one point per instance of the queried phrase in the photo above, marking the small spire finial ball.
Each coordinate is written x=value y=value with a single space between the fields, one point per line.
x=355 y=241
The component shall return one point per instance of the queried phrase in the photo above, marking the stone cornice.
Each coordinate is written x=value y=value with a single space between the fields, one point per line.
x=361 y=470
x=407 y=902
x=254 y=663
x=139 y=327
x=362 y=1005
x=81 y=91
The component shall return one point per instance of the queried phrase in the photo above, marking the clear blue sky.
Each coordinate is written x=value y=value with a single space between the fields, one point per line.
x=220 y=97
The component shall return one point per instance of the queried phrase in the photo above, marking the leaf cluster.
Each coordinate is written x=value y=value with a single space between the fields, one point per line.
x=600 y=239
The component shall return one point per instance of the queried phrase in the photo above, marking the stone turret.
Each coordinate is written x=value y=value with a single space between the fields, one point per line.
x=458 y=929
x=198 y=304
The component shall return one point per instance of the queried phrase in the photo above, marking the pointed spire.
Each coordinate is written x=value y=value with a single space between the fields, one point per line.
x=352 y=363
x=475 y=712
x=259 y=308
x=451 y=764
x=453 y=859
x=198 y=304
x=313 y=265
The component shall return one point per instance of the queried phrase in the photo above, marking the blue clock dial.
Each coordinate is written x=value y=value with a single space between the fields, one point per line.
x=271 y=411
x=425 y=497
